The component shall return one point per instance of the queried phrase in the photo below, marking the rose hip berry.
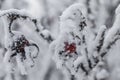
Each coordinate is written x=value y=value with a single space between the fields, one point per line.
x=71 y=48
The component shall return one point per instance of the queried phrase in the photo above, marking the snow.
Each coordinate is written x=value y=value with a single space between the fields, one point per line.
x=78 y=61
x=13 y=40
x=21 y=66
x=71 y=32
x=117 y=11
x=6 y=61
x=93 y=48
x=46 y=33
x=69 y=27
x=13 y=11
x=113 y=32
x=70 y=11
x=71 y=18
x=102 y=74
x=67 y=38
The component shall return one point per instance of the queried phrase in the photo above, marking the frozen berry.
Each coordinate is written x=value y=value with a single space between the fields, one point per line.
x=71 y=48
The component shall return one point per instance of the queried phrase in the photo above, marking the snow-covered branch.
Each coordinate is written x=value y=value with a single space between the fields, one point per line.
x=15 y=42
x=71 y=49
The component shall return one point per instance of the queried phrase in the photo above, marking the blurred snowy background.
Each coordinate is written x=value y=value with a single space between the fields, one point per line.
x=48 y=12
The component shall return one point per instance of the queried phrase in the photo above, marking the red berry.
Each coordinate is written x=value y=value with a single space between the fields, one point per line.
x=71 y=48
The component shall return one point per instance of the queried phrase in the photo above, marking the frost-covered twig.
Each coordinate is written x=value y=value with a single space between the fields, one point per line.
x=46 y=35
x=96 y=46
x=112 y=35
x=14 y=14
x=16 y=42
x=71 y=48
x=71 y=44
